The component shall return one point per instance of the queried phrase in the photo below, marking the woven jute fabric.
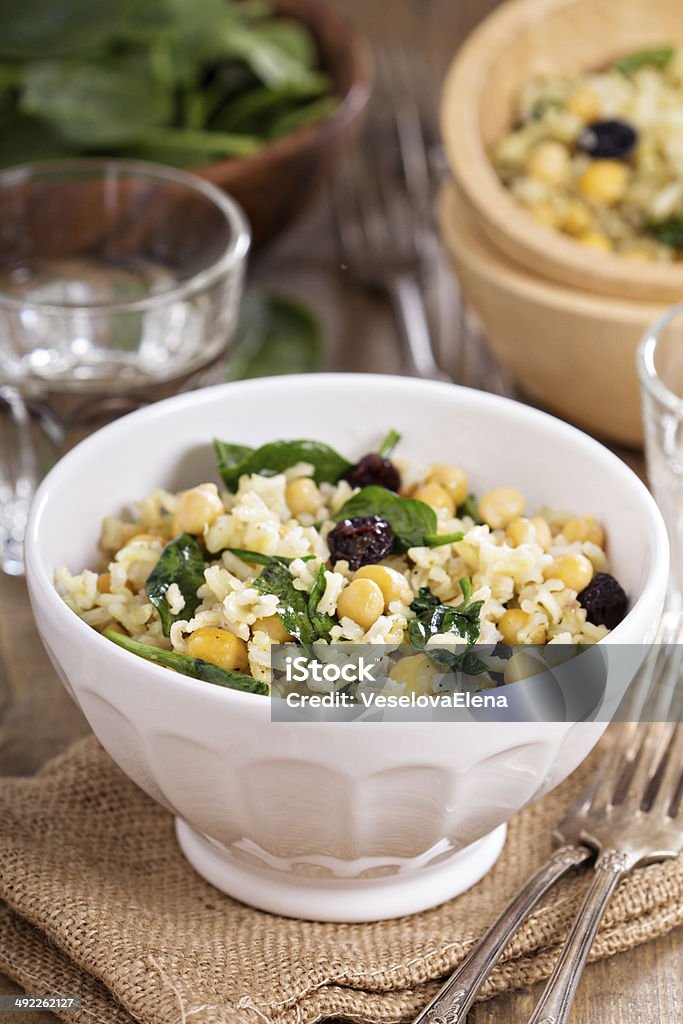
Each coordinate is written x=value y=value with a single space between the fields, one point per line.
x=99 y=902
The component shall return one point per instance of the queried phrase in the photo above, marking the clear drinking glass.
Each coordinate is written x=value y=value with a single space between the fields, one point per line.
x=660 y=367
x=120 y=284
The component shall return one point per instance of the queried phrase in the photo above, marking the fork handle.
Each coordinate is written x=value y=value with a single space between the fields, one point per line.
x=452 y=1002
x=411 y=316
x=558 y=996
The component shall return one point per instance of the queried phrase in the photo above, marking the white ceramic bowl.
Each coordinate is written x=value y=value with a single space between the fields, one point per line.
x=328 y=821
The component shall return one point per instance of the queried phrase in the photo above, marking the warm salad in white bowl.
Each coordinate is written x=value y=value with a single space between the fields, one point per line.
x=475 y=516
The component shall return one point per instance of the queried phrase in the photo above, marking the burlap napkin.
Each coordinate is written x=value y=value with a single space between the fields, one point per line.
x=98 y=901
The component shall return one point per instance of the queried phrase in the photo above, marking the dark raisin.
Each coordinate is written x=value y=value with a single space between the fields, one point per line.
x=612 y=139
x=604 y=600
x=371 y=470
x=362 y=540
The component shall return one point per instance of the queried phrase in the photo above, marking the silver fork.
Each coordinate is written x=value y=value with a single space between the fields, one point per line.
x=631 y=814
x=382 y=205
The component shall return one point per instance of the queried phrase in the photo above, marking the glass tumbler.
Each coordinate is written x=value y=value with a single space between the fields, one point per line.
x=660 y=368
x=120 y=284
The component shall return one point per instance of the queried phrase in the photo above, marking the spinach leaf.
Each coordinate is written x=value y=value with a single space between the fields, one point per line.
x=293 y=604
x=322 y=622
x=414 y=522
x=433 y=617
x=389 y=443
x=275 y=335
x=669 y=232
x=469 y=508
x=257 y=558
x=275 y=457
x=657 y=56
x=93 y=105
x=306 y=113
x=39 y=29
x=194 y=667
x=181 y=562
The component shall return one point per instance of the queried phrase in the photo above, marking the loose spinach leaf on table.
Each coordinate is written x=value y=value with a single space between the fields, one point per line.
x=277 y=456
x=181 y=562
x=187 y=666
x=275 y=335
x=433 y=618
x=295 y=607
x=414 y=522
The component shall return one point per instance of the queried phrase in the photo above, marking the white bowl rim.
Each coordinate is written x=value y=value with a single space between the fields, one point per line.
x=40 y=574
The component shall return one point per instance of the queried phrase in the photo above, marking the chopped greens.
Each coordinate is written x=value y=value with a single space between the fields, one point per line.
x=657 y=56
x=295 y=607
x=165 y=79
x=258 y=558
x=669 y=232
x=236 y=460
x=434 y=618
x=469 y=508
x=413 y=522
x=180 y=562
x=194 y=667
x=321 y=622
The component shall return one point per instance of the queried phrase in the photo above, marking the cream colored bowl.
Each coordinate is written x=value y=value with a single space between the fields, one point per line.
x=532 y=38
x=573 y=352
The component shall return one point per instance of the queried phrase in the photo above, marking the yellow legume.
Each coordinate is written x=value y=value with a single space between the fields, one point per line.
x=575 y=571
x=577 y=219
x=437 y=496
x=274 y=627
x=451 y=478
x=362 y=601
x=197 y=508
x=585 y=103
x=595 y=240
x=500 y=506
x=549 y=161
x=510 y=624
x=220 y=647
x=584 y=528
x=393 y=585
x=302 y=496
x=604 y=181
x=416 y=672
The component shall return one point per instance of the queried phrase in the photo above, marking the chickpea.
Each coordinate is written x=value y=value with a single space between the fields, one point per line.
x=393 y=585
x=220 y=647
x=302 y=496
x=544 y=537
x=529 y=531
x=361 y=601
x=577 y=219
x=104 y=583
x=452 y=478
x=549 y=162
x=595 y=240
x=575 y=571
x=584 y=528
x=274 y=627
x=500 y=506
x=416 y=672
x=604 y=181
x=522 y=665
x=585 y=103
x=197 y=508
x=514 y=622
x=435 y=495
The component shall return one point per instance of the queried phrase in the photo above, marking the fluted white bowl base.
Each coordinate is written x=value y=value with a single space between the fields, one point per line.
x=348 y=900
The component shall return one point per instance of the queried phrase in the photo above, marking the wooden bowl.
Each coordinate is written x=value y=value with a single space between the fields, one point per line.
x=531 y=38
x=572 y=353
x=274 y=185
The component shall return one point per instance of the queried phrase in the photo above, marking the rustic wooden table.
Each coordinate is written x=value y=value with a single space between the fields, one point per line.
x=38 y=719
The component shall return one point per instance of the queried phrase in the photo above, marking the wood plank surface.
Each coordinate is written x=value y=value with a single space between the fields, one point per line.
x=38 y=719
